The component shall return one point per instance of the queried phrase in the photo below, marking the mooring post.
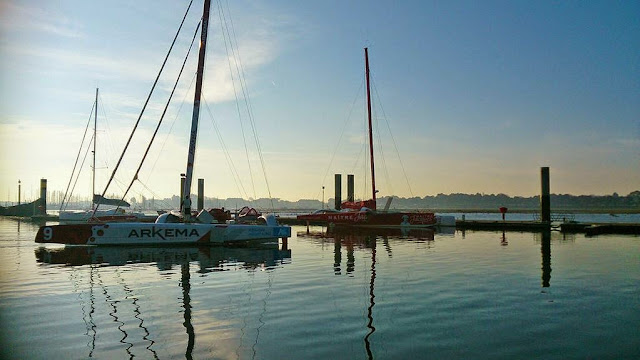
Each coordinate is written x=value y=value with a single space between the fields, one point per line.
x=200 y=194
x=545 y=201
x=338 y=187
x=181 y=190
x=43 y=197
x=350 y=188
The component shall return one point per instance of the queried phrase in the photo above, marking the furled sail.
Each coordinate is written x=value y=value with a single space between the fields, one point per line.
x=99 y=199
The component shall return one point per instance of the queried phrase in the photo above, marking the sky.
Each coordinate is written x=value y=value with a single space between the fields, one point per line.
x=468 y=96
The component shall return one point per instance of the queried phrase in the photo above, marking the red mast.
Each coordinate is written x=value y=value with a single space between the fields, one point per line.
x=373 y=174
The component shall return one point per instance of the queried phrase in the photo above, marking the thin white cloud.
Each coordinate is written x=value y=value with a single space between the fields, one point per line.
x=256 y=40
x=21 y=16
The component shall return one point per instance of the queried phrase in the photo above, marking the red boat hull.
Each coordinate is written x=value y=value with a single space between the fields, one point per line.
x=371 y=218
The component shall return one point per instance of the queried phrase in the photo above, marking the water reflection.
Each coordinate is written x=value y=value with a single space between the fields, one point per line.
x=372 y=302
x=367 y=238
x=354 y=238
x=165 y=258
x=185 y=283
x=503 y=239
x=209 y=259
x=545 y=249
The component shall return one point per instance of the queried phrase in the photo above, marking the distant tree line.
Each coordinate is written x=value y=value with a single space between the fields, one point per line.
x=456 y=202
x=495 y=201
x=452 y=202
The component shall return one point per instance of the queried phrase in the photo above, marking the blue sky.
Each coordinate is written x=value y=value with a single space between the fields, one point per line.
x=478 y=95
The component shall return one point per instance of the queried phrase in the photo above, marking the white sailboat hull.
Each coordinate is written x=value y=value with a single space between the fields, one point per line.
x=159 y=233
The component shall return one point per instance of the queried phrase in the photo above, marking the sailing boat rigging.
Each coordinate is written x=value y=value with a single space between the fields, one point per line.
x=365 y=213
x=94 y=215
x=169 y=228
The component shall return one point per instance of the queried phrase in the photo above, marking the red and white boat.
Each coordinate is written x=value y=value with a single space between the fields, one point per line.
x=365 y=213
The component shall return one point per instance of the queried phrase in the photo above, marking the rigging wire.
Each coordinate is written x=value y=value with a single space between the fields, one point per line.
x=153 y=193
x=228 y=157
x=381 y=149
x=62 y=203
x=247 y=99
x=393 y=140
x=360 y=156
x=227 y=38
x=164 y=143
x=79 y=171
x=105 y=120
x=144 y=107
x=135 y=177
x=366 y=164
x=342 y=132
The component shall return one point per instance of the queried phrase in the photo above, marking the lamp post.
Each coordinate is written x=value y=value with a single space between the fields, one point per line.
x=19 y=191
x=323 y=197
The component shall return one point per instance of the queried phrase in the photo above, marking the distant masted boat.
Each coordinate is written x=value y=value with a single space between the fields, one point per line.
x=364 y=213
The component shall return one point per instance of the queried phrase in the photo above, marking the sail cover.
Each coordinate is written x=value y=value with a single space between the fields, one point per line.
x=101 y=200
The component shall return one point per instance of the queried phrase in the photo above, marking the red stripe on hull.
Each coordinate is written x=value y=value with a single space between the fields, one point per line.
x=205 y=238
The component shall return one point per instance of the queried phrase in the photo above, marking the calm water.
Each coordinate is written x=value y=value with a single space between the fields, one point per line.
x=340 y=296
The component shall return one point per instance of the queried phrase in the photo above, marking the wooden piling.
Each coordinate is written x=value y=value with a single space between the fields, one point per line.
x=338 y=190
x=200 y=194
x=181 y=191
x=545 y=202
x=43 y=197
x=350 y=188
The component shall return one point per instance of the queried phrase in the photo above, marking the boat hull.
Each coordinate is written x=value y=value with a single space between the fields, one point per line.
x=370 y=218
x=158 y=234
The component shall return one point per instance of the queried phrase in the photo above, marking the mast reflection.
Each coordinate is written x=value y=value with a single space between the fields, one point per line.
x=366 y=238
x=209 y=259
x=372 y=296
x=185 y=283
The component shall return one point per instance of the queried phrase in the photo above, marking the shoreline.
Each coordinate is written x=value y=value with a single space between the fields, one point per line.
x=495 y=211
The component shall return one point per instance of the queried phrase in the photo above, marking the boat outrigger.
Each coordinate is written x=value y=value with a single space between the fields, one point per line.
x=172 y=228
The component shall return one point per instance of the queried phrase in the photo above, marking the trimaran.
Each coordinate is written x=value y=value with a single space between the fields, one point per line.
x=168 y=228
